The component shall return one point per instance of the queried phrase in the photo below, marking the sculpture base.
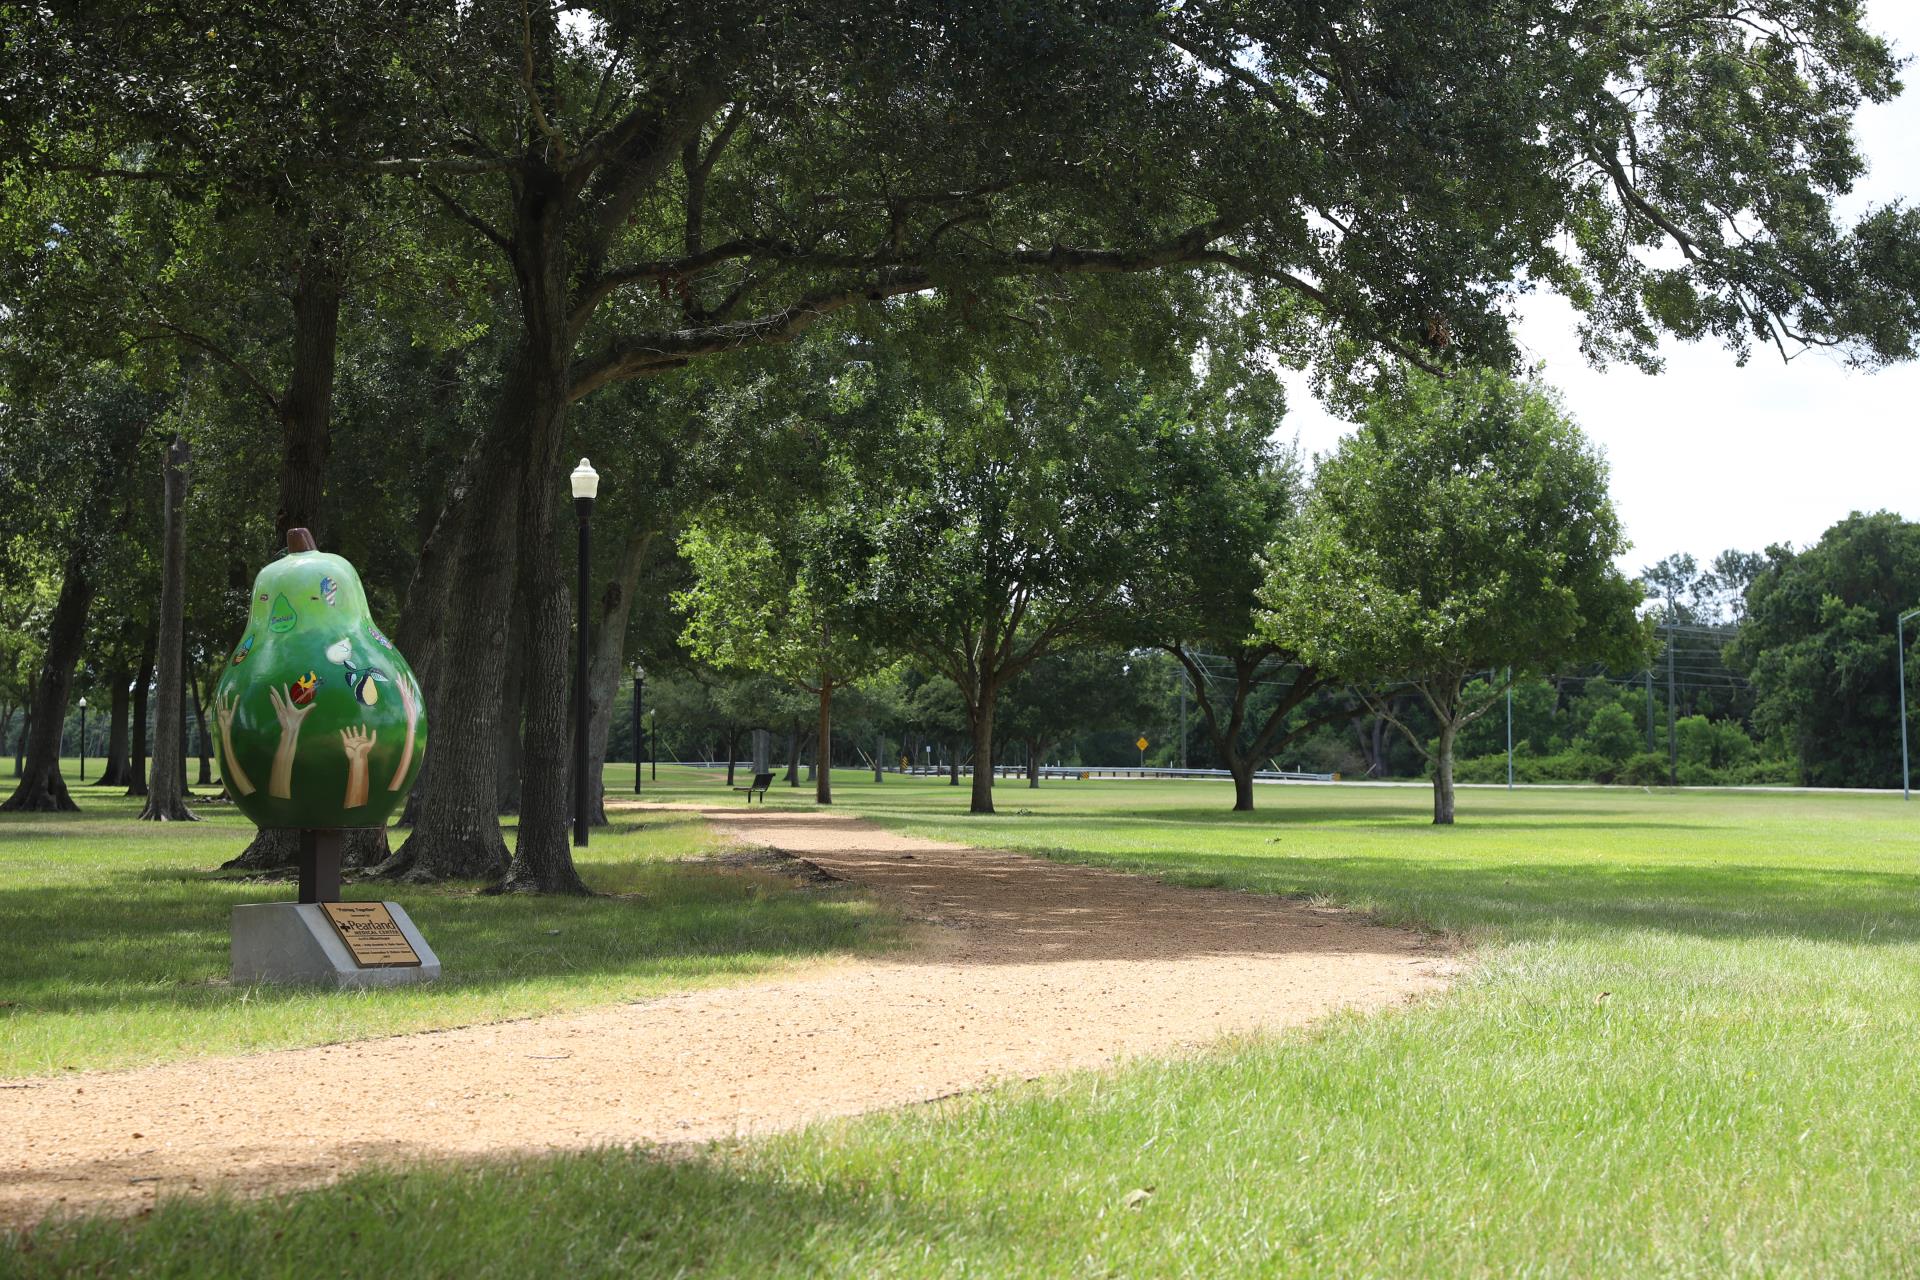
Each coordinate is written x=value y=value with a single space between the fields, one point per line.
x=294 y=942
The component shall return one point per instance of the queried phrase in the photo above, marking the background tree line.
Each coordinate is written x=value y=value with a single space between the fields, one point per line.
x=375 y=269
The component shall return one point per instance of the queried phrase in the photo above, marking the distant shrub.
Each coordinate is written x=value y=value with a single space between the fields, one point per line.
x=1698 y=775
x=1565 y=766
x=1763 y=773
x=1610 y=734
x=1642 y=769
x=1484 y=769
x=1579 y=766
x=1712 y=744
x=1645 y=769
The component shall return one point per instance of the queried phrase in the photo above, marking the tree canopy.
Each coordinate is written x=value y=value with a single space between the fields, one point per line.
x=1819 y=646
x=1464 y=528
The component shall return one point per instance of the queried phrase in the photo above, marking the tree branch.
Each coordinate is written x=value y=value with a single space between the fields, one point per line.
x=1385 y=712
x=648 y=353
x=1298 y=692
x=409 y=166
x=203 y=343
x=532 y=88
x=624 y=162
x=697 y=166
x=473 y=220
x=595 y=291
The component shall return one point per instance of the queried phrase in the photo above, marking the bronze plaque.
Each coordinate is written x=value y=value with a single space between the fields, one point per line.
x=371 y=934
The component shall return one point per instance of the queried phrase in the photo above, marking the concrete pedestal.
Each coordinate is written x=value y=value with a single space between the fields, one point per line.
x=294 y=942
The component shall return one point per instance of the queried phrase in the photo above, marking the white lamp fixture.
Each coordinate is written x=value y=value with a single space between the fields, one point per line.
x=83 y=704
x=585 y=480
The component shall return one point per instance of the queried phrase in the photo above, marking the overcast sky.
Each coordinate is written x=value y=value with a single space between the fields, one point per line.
x=1708 y=455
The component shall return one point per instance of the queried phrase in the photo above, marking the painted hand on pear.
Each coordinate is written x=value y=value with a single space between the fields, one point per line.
x=409 y=700
x=357 y=742
x=236 y=777
x=280 y=783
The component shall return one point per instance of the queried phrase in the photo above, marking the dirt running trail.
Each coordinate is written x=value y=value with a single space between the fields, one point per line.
x=1021 y=967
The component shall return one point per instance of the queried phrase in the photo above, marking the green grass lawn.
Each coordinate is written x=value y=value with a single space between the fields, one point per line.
x=114 y=937
x=1689 y=1045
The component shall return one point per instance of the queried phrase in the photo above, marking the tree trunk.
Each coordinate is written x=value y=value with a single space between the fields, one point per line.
x=423 y=614
x=456 y=833
x=306 y=409
x=118 y=699
x=953 y=764
x=513 y=704
x=733 y=743
x=982 y=799
x=26 y=730
x=205 y=743
x=880 y=757
x=166 y=785
x=1372 y=732
x=793 y=755
x=604 y=667
x=1443 y=777
x=1033 y=763
x=142 y=689
x=543 y=856
x=42 y=789
x=278 y=849
x=1242 y=770
x=823 y=748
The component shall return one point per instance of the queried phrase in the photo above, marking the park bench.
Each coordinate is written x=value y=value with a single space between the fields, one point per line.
x=759 y=785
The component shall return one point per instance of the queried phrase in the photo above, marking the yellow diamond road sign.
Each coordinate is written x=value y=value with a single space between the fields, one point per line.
x=1142 y=744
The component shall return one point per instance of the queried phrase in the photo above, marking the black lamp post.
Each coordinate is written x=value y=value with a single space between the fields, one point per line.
x=585 y=482
x=83 y=739
x=653 y=744
x=640 y=686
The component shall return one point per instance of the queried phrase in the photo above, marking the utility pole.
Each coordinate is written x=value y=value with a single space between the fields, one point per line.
x=1649 y=710
x=1900 y=648
x=1183 y=717
x=1509 y=728
x=1673 y=733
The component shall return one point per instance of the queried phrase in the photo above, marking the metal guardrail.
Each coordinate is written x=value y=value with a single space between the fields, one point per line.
x=1081 y=772
x=1075 y=772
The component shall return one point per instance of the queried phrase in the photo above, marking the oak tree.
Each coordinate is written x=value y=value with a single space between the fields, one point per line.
x=1465 y=527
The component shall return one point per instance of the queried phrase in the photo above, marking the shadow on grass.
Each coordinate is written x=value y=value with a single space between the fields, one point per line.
x=612 y=1213
x=157 y=938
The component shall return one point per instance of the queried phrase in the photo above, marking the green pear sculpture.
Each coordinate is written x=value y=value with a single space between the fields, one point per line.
x=320 y=721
